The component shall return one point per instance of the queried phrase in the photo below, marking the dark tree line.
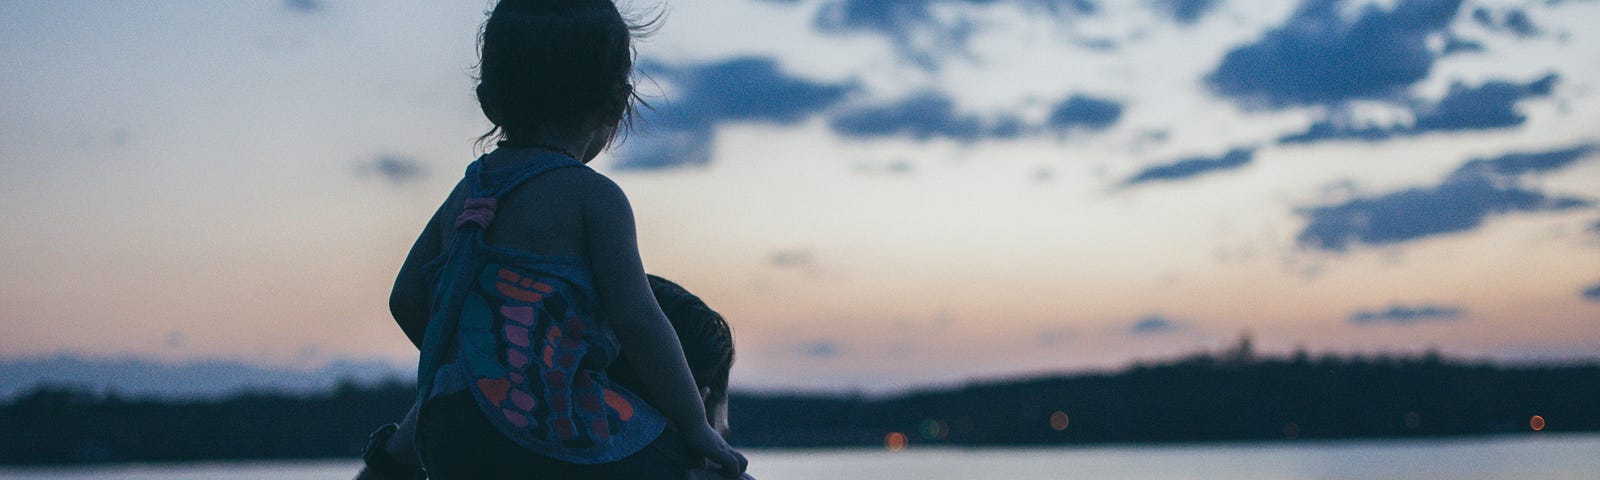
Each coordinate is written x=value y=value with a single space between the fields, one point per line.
x=1201 y=398
x=1231 y=397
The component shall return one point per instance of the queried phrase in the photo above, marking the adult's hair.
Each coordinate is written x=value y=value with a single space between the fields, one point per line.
x=561 y=66
x=705 y=336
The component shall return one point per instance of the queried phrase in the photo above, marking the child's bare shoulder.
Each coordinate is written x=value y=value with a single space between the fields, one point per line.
x=592 y=190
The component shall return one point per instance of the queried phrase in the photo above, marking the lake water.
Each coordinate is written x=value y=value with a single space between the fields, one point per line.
x=1546 y=457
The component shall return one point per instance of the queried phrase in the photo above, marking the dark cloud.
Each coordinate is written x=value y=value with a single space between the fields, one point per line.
x=303 y=6
x=1514 y=21
x=1477 y=190
x=1522 y=163
x=930 y=114
x=1185 y=12
x=1492 y=105
x=1319 y=57
x=1592 y=293
x=1154 y=325
x=393 y=169
x=921 y=116
x=919 y=35
x=1456 y=45
x=1085 y=112
x=1406 y=315
x=750 y=89
x=1193 y=166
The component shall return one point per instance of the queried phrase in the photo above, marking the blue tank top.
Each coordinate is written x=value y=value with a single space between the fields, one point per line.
x=522 y=332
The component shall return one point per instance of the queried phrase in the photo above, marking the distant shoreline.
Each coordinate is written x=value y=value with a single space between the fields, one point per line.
x=1205 y=399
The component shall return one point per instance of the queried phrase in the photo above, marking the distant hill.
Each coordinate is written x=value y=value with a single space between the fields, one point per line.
x=145 y=378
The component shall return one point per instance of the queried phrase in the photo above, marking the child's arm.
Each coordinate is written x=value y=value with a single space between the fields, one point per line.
x=408 y=301
x=647 y=337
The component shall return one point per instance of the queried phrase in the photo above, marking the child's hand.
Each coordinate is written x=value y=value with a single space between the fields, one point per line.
x=707 y=442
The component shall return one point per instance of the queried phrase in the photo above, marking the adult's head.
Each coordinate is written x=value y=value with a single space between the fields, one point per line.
x=707 y=345
x=556 y=68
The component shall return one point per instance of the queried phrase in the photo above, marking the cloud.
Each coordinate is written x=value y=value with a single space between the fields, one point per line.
x=921 y=116
x=1514 y=21
x=1592 y=293
x=303 y=6
x=1318 y=57
x=1154 y=325
x=1457 y=45
x=678 y=131
x=1192 y=167
x=1523 y=163
x=916 y=32
x=394 y=169
x=792 y=258
x=1406 y=315
x=1492 y=105
x=1185 y=12
x=821 y=349
x=1085 y=112
x=1475 y=191
x=930 y=114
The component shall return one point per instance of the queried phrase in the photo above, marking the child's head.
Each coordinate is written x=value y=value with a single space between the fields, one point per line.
x=555 y=67
x=707 y=345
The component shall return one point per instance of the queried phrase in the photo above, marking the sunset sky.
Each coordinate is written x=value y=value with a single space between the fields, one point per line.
x=876 y=193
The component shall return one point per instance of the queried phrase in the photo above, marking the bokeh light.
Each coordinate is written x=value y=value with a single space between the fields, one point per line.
x=1536 y=423
x=1059 y=420
x=894 y=441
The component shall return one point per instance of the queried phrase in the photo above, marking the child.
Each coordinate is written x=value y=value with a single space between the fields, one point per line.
x=527 y=283
x=707 y=345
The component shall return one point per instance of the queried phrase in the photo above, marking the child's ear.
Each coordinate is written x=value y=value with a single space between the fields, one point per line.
x=483 y=103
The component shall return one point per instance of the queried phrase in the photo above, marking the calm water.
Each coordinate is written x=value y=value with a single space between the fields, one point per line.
x=1548 y=457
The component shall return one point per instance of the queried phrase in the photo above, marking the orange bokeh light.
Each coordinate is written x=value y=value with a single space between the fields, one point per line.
x=1059 y=420
x=1537 y=423
x=894 y=441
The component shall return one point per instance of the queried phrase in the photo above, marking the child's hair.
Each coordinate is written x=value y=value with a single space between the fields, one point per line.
x=707 y=341
x=556 y=64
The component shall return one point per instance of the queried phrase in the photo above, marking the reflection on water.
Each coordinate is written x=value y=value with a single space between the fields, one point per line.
x=1552 y=457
